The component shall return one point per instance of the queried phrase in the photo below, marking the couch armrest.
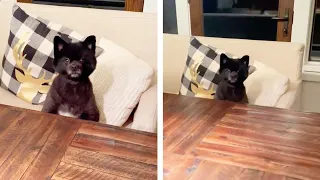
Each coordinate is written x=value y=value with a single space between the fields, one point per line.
x=292 y=98
x=145 y=117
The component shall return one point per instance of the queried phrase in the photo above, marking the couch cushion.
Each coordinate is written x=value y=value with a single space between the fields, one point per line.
x=27 y=65
x=145 y=117
x=8 y=98
x=265 y=86
x=118 y=82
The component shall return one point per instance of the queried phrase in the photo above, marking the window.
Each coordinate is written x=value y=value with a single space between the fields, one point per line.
x=244 y=19
x=241 y=19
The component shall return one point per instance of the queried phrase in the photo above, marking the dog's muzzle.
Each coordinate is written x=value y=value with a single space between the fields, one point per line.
x=233 y=77
x=74 y=69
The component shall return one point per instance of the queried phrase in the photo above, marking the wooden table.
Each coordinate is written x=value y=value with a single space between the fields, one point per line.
x=36 y=145
x=216 y=140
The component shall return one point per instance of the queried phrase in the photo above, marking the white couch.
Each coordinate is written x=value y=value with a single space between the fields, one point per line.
x=134 y=31
x=281 y=57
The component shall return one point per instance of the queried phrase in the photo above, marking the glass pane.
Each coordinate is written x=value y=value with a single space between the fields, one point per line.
x=103 y=4
x=315 y=43
x=169 y=17
x=244 y=19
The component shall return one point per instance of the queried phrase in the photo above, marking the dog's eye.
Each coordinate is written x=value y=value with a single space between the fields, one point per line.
x=67 y=60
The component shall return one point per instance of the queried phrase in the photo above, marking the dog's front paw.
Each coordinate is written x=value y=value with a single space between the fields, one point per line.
x=90 y=116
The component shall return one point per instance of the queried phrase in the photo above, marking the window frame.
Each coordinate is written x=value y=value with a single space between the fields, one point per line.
x=309 y=68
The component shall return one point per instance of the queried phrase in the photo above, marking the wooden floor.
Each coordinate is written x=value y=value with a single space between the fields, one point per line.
x=206 y=139
x=38 y=146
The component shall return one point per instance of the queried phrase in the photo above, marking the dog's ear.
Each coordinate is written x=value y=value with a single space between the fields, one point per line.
x=223 y=59
x=59 y=44
x=90 y=42
x=245 y=60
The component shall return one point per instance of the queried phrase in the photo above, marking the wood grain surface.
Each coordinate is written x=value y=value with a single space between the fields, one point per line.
x=25 y=1
x=36 y=145
x=209 y=139
x=285 y=5
x=196 y=17
x=134 y=5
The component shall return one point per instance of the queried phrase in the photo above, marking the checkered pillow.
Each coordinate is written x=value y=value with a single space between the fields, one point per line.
x=200 y=77
x=27 y=63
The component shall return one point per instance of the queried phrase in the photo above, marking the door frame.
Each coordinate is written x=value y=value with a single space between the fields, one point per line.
x=285 y=5
x=197 y=28
x=196 y=17
x=134 y=5
x=24 y=1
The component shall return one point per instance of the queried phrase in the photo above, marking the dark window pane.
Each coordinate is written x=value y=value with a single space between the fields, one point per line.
x=104 y=4
x=169 y=17
x=315 y=43
x=244 y=19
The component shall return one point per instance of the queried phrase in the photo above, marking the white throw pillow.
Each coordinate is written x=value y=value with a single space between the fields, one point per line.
x=265 y=86
x=118 y=82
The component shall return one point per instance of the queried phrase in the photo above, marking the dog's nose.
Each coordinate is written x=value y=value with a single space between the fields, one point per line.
x=234 y=75
x=74 y=66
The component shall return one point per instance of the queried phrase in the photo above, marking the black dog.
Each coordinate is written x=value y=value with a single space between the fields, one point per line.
x=71 y=92
x=233 y=72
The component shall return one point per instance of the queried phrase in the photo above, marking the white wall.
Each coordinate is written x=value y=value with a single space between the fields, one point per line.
x=150 y=6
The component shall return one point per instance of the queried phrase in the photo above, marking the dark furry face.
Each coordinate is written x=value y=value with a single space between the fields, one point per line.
x=75 y=60
x=235 y=71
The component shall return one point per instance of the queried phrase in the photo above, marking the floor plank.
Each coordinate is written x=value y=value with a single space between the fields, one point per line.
x=70 y=172
x=271 y=176
x=188 y=124
x=7 y=118
x=193 y=138
x=276 y=112
x=184 y=170
x=275 y=124
x=236 y=141
x=13 y=135
x=171 y=161
x=110 y=164
x=208 y=170
x=251 y=174
x=271 y=116
x=262 y=137
x=189 y=115
x=54 y=149
x=116 y=133
x=273 y=131
x=24 y=153
x=257 y=164
x=116 y=148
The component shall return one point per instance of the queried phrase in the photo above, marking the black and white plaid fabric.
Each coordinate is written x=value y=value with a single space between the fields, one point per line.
x=200 y=77
x=32 y=37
